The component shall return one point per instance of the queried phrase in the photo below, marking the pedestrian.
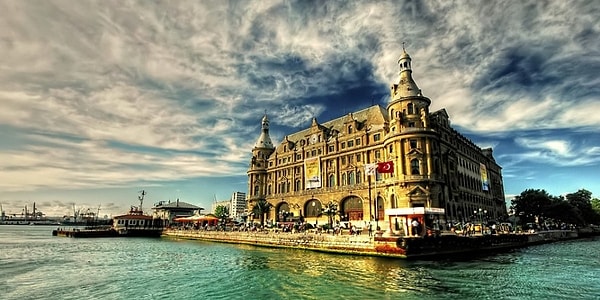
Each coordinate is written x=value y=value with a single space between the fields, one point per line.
x=415 y=227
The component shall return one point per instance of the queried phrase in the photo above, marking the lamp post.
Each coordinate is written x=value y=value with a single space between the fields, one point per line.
x=480 y=212
x=377 y=212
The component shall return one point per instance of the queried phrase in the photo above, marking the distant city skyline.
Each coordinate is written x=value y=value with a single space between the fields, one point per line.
x=100 y=100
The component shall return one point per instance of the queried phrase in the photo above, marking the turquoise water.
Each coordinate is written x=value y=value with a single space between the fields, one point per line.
x=36 y=265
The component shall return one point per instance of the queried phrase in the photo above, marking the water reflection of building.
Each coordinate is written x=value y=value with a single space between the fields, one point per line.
x=438 y=174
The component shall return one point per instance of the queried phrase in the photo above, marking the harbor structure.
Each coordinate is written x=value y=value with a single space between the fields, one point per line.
x=400 y=168
x=169 y=210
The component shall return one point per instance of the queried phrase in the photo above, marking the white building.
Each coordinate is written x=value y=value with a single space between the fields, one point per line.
x=239 y=206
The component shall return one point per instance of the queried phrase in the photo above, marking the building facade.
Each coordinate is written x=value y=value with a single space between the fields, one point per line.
x=167 y=210
x=437 y=176
x=239 y=207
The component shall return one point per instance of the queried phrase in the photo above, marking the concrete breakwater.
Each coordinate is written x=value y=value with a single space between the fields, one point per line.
x=394 y=246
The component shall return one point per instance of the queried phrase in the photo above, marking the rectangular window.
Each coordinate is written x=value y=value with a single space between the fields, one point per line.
x=350 y=159
x=411 y=124
x=350 y=143
x=377 y=155
x=391 y=149
x=343 y=145
x=358 y=158
x=357 y=142
x=376 y=137
x=343 y=160
x=331 y=148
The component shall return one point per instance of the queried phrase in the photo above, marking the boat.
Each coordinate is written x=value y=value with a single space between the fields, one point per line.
x=132 y=224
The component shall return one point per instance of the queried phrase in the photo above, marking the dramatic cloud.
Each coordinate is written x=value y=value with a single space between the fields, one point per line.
x=111 y=94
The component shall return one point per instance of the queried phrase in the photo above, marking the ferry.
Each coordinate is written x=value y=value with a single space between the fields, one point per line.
x=132 y=224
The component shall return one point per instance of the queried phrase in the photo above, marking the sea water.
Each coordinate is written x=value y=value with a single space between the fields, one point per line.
x=36 y=265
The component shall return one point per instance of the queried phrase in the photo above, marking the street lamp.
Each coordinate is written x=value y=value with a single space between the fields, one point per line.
x=480 y=212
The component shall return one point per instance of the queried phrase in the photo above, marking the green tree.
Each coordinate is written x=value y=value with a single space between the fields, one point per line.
x=330 y=210
x=222 y=212
x=530 y=204
x=563 y=211
x=261 y=208
x=596 y=205
x=582 y=200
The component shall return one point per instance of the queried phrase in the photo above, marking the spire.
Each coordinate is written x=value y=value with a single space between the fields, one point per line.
x=264 y=140
x=406 y=86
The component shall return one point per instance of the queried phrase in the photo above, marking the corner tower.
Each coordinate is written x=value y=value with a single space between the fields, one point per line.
x=257 y=172
x=409 y=143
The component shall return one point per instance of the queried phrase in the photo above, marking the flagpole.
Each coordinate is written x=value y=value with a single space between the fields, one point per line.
x=376 y=203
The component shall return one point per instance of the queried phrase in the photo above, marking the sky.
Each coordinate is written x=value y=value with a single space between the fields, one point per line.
x=102 y=99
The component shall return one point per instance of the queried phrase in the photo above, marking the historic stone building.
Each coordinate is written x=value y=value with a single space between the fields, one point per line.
x=437 y=175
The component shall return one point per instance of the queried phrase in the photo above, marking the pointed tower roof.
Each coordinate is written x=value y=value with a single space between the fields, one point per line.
x=264 y=140
x=406 y=85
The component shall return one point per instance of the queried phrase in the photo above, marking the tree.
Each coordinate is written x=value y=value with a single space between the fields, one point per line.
x=261 y=207
x=582 y=200
x=596 y=205
x=222 y=212
x=330 y=210
x=563 y=211
x=530 y=205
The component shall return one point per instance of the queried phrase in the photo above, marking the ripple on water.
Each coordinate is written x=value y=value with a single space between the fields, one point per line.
x=62 y=268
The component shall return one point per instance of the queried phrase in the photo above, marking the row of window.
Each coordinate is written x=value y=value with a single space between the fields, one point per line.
x=415 y=165
x=131 y=222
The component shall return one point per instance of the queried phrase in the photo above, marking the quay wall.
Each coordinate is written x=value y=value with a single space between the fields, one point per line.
x=394 y=246
x=342 y=244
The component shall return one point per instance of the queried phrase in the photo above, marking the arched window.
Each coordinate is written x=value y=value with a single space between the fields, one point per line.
x=393 y=201
x=351 y=180
x=344 y=182
x=256 y=190
x=331 y=180
x=313 y=208
x=298 y=185
x=352 y=209
x=411 y=110
x=358 y=177
x=414 y=167
x=269 y=189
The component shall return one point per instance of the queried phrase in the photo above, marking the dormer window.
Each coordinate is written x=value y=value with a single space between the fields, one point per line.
x=349 y=128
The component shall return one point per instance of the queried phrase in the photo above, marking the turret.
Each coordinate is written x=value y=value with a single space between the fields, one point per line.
x=406 y=85
x=257 y=172
x=264 y=140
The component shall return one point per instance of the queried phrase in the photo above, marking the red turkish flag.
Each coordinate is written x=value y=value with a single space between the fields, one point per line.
x=385 y=167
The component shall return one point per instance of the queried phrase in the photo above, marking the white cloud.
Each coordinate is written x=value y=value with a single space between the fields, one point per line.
x=109 y=88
